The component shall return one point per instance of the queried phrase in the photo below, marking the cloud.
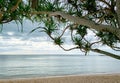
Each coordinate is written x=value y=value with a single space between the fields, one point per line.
x=13 y=41
x=18 y=46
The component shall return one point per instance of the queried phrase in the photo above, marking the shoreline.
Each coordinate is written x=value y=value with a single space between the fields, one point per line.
x=87 y=78
x=52 y=76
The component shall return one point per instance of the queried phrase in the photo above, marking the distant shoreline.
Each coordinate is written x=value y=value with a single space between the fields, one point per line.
x=52 y=76
x=99 y=78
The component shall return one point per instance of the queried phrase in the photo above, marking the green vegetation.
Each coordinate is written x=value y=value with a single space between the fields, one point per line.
x=78 y=17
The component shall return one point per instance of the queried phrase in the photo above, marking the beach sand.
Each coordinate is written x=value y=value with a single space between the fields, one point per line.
x=102 y=78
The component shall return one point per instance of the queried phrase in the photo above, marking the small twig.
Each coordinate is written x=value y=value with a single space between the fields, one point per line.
x=69 y=48
x=105 y=2
x=95 y=43
x=115 y=48
x=64 y=31
x=72 y=35
x=6 y=21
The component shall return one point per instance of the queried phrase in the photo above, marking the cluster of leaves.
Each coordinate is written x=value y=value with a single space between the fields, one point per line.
x=5 y=7
x=78 y=41
x=50 y=26
x=107 y=38
x=82 y=44
x=81 y=30
x=58 y=41
x=94 y=11
x=24 y=9
x=82 y=8
x=11 y=11
x=46 y=5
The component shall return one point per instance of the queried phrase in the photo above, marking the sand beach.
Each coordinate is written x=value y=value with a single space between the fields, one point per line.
x=99 y=78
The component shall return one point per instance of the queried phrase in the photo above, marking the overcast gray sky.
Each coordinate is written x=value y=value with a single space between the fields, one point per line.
x=12 y=41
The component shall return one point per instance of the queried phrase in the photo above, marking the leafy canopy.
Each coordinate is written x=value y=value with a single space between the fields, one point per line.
x=98 y=11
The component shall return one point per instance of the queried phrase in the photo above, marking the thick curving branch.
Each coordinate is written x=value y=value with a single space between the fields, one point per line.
x=89 y=23
x=83 y=21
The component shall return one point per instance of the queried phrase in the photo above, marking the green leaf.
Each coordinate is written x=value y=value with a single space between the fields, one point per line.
x=81 y=30
x=58 y=41
x=35 y=29
x=77 y=41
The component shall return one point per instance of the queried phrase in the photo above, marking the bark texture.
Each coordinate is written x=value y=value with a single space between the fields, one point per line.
x=85 y=22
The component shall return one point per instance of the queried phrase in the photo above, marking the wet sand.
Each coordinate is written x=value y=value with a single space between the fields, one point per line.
x=102 y=78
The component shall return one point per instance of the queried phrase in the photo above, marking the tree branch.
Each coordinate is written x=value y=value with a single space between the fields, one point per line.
x=41 y=12
x=6 y=21
x=105 y=2
x=115 y=48
x=83 y=21
x=9 y=11
x=106 y=53
x=64 y=31
x=1 y=15
x=15 y=7
x=68 y=49
x=95 y=50
x=91 y=25
x=95 y=43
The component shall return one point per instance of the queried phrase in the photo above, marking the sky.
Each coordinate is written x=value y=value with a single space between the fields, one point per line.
x=12 y=41
x=15 y=42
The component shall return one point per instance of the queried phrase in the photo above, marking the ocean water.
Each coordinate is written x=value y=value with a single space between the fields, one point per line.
x=24 y=66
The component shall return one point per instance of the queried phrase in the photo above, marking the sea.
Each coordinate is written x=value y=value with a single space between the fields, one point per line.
x=29 y=66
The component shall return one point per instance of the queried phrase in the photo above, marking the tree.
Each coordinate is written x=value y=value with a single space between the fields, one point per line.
x=76 y=17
